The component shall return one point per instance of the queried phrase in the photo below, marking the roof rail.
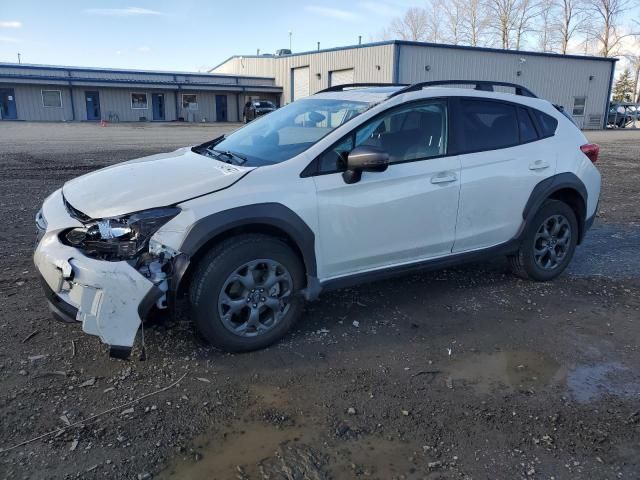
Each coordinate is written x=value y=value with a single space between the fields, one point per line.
x=340 y=88
x=484 y=85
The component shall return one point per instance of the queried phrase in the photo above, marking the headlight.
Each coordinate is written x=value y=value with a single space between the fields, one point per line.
x=119 y=238
x=41 y=222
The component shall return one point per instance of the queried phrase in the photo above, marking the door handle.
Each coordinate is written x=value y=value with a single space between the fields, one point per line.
x=539 y=165
x=444 y=177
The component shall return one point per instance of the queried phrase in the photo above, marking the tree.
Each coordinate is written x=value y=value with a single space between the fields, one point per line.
x=623 y=88
x=607 y=29
x=634 y=63
x=474 y=22
x=411 y=26
x=454 y=14
x=526 y=12
x=504 y=17
x=436 y=24
x=548 y=31
x=570 y=22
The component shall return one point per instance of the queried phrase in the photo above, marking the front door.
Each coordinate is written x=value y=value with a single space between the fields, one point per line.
x=221 y=108
x=8 y=109
x=402 y=215
x=92 y=100
x=157 y=102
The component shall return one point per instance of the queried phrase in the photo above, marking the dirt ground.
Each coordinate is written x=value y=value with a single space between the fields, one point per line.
x=466 y=373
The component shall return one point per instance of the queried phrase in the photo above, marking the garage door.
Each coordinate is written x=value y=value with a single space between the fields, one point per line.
x=300 y=87
x=341 y=77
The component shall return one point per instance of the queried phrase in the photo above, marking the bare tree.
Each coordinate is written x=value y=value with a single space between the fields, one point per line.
x=607 y=29
x=526 y=12
x=570 y=22
x=412 y=25
x=547 y=25
x=504 y=14
x=634 y=64
x=454 y=15
x=436 y=22
x=474 y=22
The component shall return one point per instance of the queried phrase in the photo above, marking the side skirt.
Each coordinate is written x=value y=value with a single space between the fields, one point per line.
x=507 y=248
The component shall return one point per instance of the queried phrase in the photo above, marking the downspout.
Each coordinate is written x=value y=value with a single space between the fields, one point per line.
x=608 y=103
x=175 y=97
x=238 y=101
x=73 y=107
x=396 y=63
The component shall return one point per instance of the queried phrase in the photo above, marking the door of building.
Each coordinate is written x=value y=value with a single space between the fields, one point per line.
x=8 y=110
x=92 y=99
x=221 y=108
x=157 y=102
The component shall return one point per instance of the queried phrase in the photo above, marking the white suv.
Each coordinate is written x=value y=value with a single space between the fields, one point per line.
x=349 y=185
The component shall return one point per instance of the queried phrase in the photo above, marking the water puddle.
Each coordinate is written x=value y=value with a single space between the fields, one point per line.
x=529 y=371
x=517 y=370
x=589 y=383
x=240 y=453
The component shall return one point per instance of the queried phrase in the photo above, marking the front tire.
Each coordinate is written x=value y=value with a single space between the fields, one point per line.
x=244 y=293
x=548 y=244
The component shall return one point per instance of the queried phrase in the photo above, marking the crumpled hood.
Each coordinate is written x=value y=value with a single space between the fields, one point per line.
x=148 y=182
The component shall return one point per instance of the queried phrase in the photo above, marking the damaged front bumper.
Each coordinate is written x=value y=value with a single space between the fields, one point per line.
x=110 y=298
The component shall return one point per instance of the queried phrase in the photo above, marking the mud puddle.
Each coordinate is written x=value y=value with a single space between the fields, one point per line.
x=530 y=372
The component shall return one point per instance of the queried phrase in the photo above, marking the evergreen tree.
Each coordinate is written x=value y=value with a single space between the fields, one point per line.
x=623 y=89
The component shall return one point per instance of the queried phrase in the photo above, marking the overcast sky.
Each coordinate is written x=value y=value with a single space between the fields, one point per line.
x=188 y=35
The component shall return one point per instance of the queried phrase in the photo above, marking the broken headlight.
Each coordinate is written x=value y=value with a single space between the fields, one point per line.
x=119 y=238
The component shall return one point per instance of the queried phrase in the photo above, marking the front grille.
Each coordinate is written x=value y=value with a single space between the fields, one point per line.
x=74 y=212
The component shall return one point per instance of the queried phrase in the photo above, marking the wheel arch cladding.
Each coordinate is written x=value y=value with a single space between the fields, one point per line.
x=265 y=218
x=566 y=187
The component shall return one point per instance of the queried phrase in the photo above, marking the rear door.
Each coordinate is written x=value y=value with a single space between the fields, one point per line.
x=402 y=215
x=503 y=156
x=92 y=101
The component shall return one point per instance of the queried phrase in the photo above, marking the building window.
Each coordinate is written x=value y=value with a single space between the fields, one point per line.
x=139 y=101
x=51 y=98
x=190 y=101
x=578 y=106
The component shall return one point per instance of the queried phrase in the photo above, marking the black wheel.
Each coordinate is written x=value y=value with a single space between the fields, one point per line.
x=549 y=243
x=244 y=292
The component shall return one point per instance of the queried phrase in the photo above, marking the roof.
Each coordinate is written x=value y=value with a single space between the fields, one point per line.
x=431 y=45
x=34 y=66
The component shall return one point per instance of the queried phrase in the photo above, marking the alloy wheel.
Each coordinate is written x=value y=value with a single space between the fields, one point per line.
x=552 y=242
x=255 y=297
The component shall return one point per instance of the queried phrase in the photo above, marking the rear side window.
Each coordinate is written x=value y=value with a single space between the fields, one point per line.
x=527 y=130
x=546 y=123
x=488 y=125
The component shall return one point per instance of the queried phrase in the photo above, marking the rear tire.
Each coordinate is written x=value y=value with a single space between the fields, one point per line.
x=244 y=292
x=548 y=244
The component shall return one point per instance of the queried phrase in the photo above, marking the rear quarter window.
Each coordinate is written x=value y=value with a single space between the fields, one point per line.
x=546 y=123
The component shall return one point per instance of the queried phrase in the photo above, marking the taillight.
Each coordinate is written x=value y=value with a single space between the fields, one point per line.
x=591 y=150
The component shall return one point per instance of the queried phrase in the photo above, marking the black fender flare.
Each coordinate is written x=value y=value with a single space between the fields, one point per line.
x=273 y=215
x=546 y=188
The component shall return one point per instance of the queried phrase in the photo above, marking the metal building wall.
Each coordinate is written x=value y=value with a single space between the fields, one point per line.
x=250 y=65
x=29 y=102
x=558 y=79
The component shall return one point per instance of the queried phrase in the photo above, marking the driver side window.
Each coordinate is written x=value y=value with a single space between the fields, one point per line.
x=408 y=133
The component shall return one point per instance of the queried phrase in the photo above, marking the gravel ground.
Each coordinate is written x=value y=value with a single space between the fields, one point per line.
x=463 y=373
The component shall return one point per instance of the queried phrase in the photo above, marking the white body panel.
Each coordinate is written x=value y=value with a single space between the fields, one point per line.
x=148 y=182
x=387 y=218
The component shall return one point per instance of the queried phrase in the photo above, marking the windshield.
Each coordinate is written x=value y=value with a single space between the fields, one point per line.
x=288 y=131
x=264 y=104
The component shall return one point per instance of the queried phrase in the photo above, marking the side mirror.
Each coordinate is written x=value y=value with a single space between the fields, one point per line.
x=365 y=159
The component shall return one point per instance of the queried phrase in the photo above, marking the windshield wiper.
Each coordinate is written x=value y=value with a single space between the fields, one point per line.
x=230 y=155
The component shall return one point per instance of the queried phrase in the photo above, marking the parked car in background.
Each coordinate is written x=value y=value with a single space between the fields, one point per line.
x=620 y=115
x=256 y=108
x=352 y=184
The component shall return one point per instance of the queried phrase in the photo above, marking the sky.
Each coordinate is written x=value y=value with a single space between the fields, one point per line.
x=189 y=35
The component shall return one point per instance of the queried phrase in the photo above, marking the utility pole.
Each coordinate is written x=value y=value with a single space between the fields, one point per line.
x=19 y=59
x=318 y=45
x=290 y=43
